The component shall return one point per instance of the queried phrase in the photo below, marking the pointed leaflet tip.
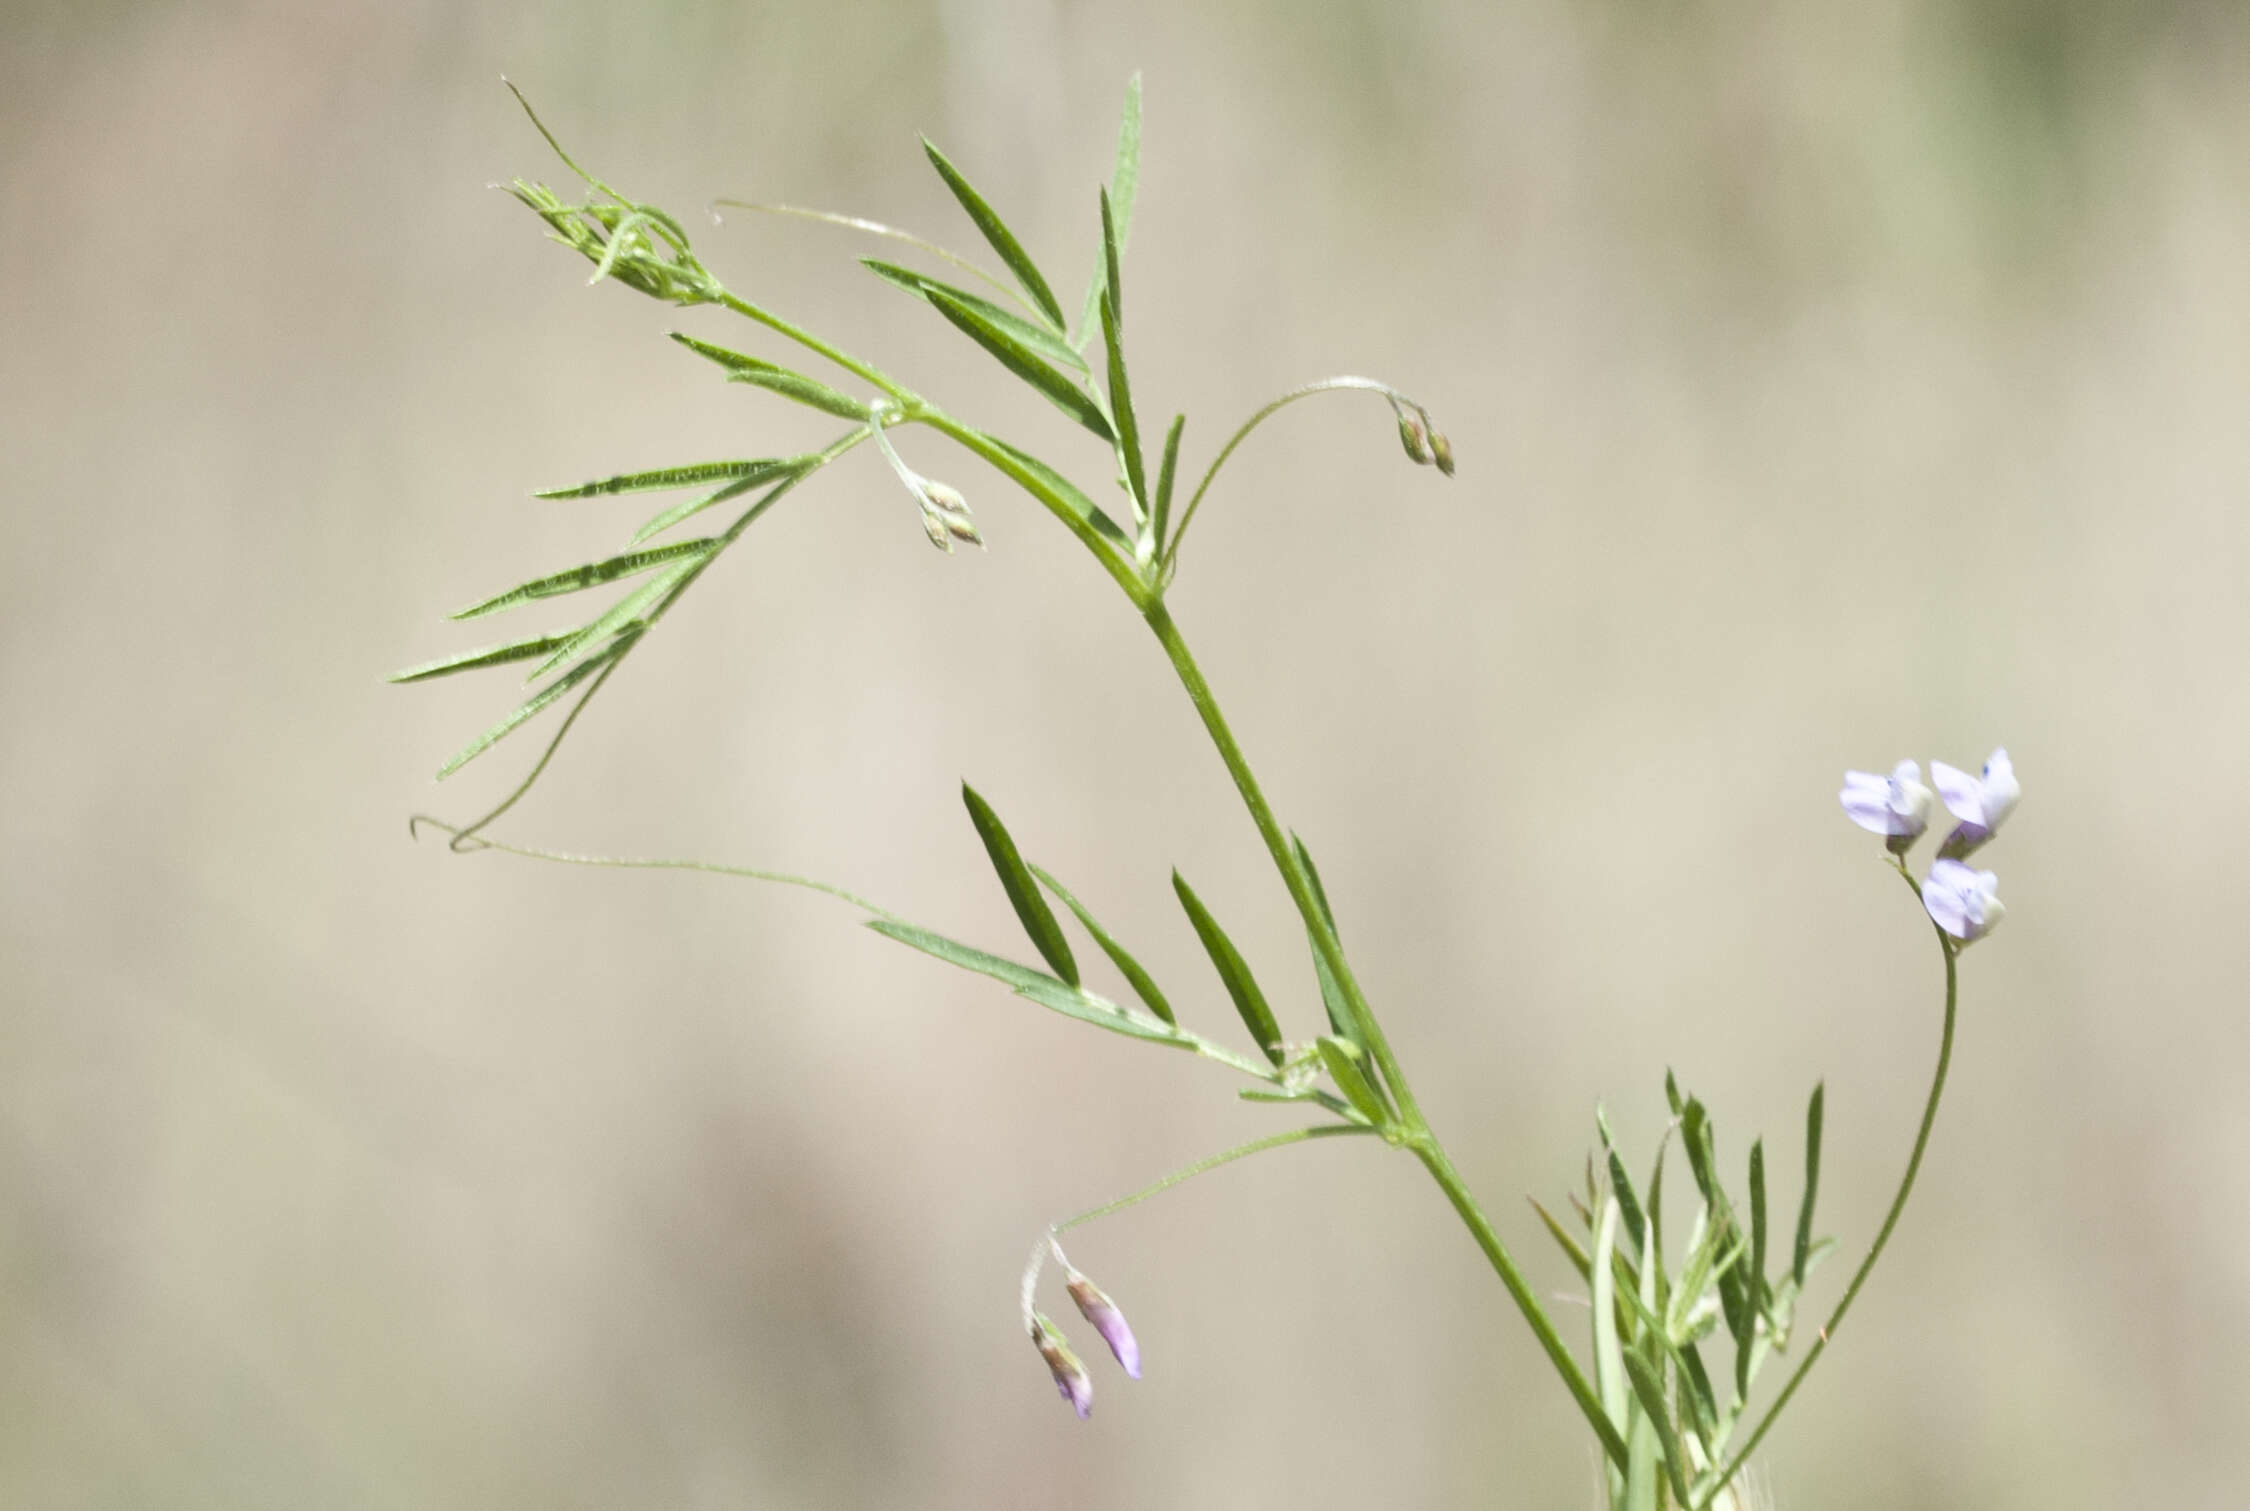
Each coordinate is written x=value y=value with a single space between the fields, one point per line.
x=996 y=234
x=1142 y=983
x=1814 y=1113
x=1249 y=1001
x=1023 y=893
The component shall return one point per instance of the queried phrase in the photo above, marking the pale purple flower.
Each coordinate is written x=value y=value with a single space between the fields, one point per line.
x=1071 y=1379
x=1895 y=806
x=1102 y=1312
x=1963 y=902
x=1980 y=803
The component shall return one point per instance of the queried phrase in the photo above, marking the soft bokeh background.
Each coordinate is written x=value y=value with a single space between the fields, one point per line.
x=1831 y=383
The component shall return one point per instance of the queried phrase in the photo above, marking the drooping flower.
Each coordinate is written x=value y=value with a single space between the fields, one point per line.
x=1094 y=1304
x=1981 y=804
x=1895 y=806
x=1963 y=902
x=1071 y=1379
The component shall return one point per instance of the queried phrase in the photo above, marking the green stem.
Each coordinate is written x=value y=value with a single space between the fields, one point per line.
x=866 y=371
x=1120 y=566
x=1171 y=549
x=1208 y=1163
x=1414 y=1131
x=1434 y=1159
x=1882 y=1237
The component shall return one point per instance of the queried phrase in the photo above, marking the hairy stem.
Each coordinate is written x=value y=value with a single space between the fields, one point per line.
x=1882 y=1237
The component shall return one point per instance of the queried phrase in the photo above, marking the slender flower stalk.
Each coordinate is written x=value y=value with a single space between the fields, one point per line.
x=1827 y=1333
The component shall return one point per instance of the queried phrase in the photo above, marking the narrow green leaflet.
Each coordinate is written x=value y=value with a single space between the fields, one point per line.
x=757 y=469
x=1025 y=363
x=1144 y=985
x=1758 y=1223
x=1023 y=893
x=1609 y=1359
x=1656 y=1216
x=532 y=706
x=1649 y=1387
x=1570 y=1245
x=1312 y=880
x=1033 y=985
x=1241 y=986
x=490 y=655
x=1038 y=337
x=592 y=575
x=803 y=390
x=627 y=611
x=1166 y=474
x=1754 y=1280
x=996 y=232
x=1343 y=1062
x=1702 y=1404
x=1700 y=1141
x=1813 y=1114
x=780 y=380
x=1629 y=1205
x=1073 y=499
x=1121 y=407
x=1124 y=188
x=694 y=506
x=1331 y=993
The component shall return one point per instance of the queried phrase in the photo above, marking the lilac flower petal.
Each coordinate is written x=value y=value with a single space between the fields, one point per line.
x=1871 y=810
x=1964 y=903
x=1963 y=793
x=2001 y=789
x=1102 y=1312
x=1948 y=908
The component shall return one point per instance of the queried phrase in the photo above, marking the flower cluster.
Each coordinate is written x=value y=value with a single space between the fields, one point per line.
x=1071 y=1379
x=1962 y=901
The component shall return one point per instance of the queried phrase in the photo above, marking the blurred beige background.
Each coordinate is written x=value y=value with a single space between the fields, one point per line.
x=1831 y=383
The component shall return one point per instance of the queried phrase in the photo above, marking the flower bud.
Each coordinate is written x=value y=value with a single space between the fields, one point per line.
x=1415 y=438
x=1441 y=450
x=945 y=514
x=1071 y=1379
x=1096 y=1307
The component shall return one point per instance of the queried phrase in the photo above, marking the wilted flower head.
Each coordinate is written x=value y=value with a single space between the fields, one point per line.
x=1895 y=806
x=1981 y=804
x=1095 y=1305
x=1963 y=902
x=1071 y=1379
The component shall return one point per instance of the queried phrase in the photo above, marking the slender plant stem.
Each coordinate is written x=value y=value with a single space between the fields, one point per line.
x=1415 y=1131
x=1882 y=1237
x=1433 y=1157
x=877 y=228
x=1118 y=563
x=1207 y=1163
x=865 y=371
x=468 y=842
x=1171 y=549
x=1284 y=858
